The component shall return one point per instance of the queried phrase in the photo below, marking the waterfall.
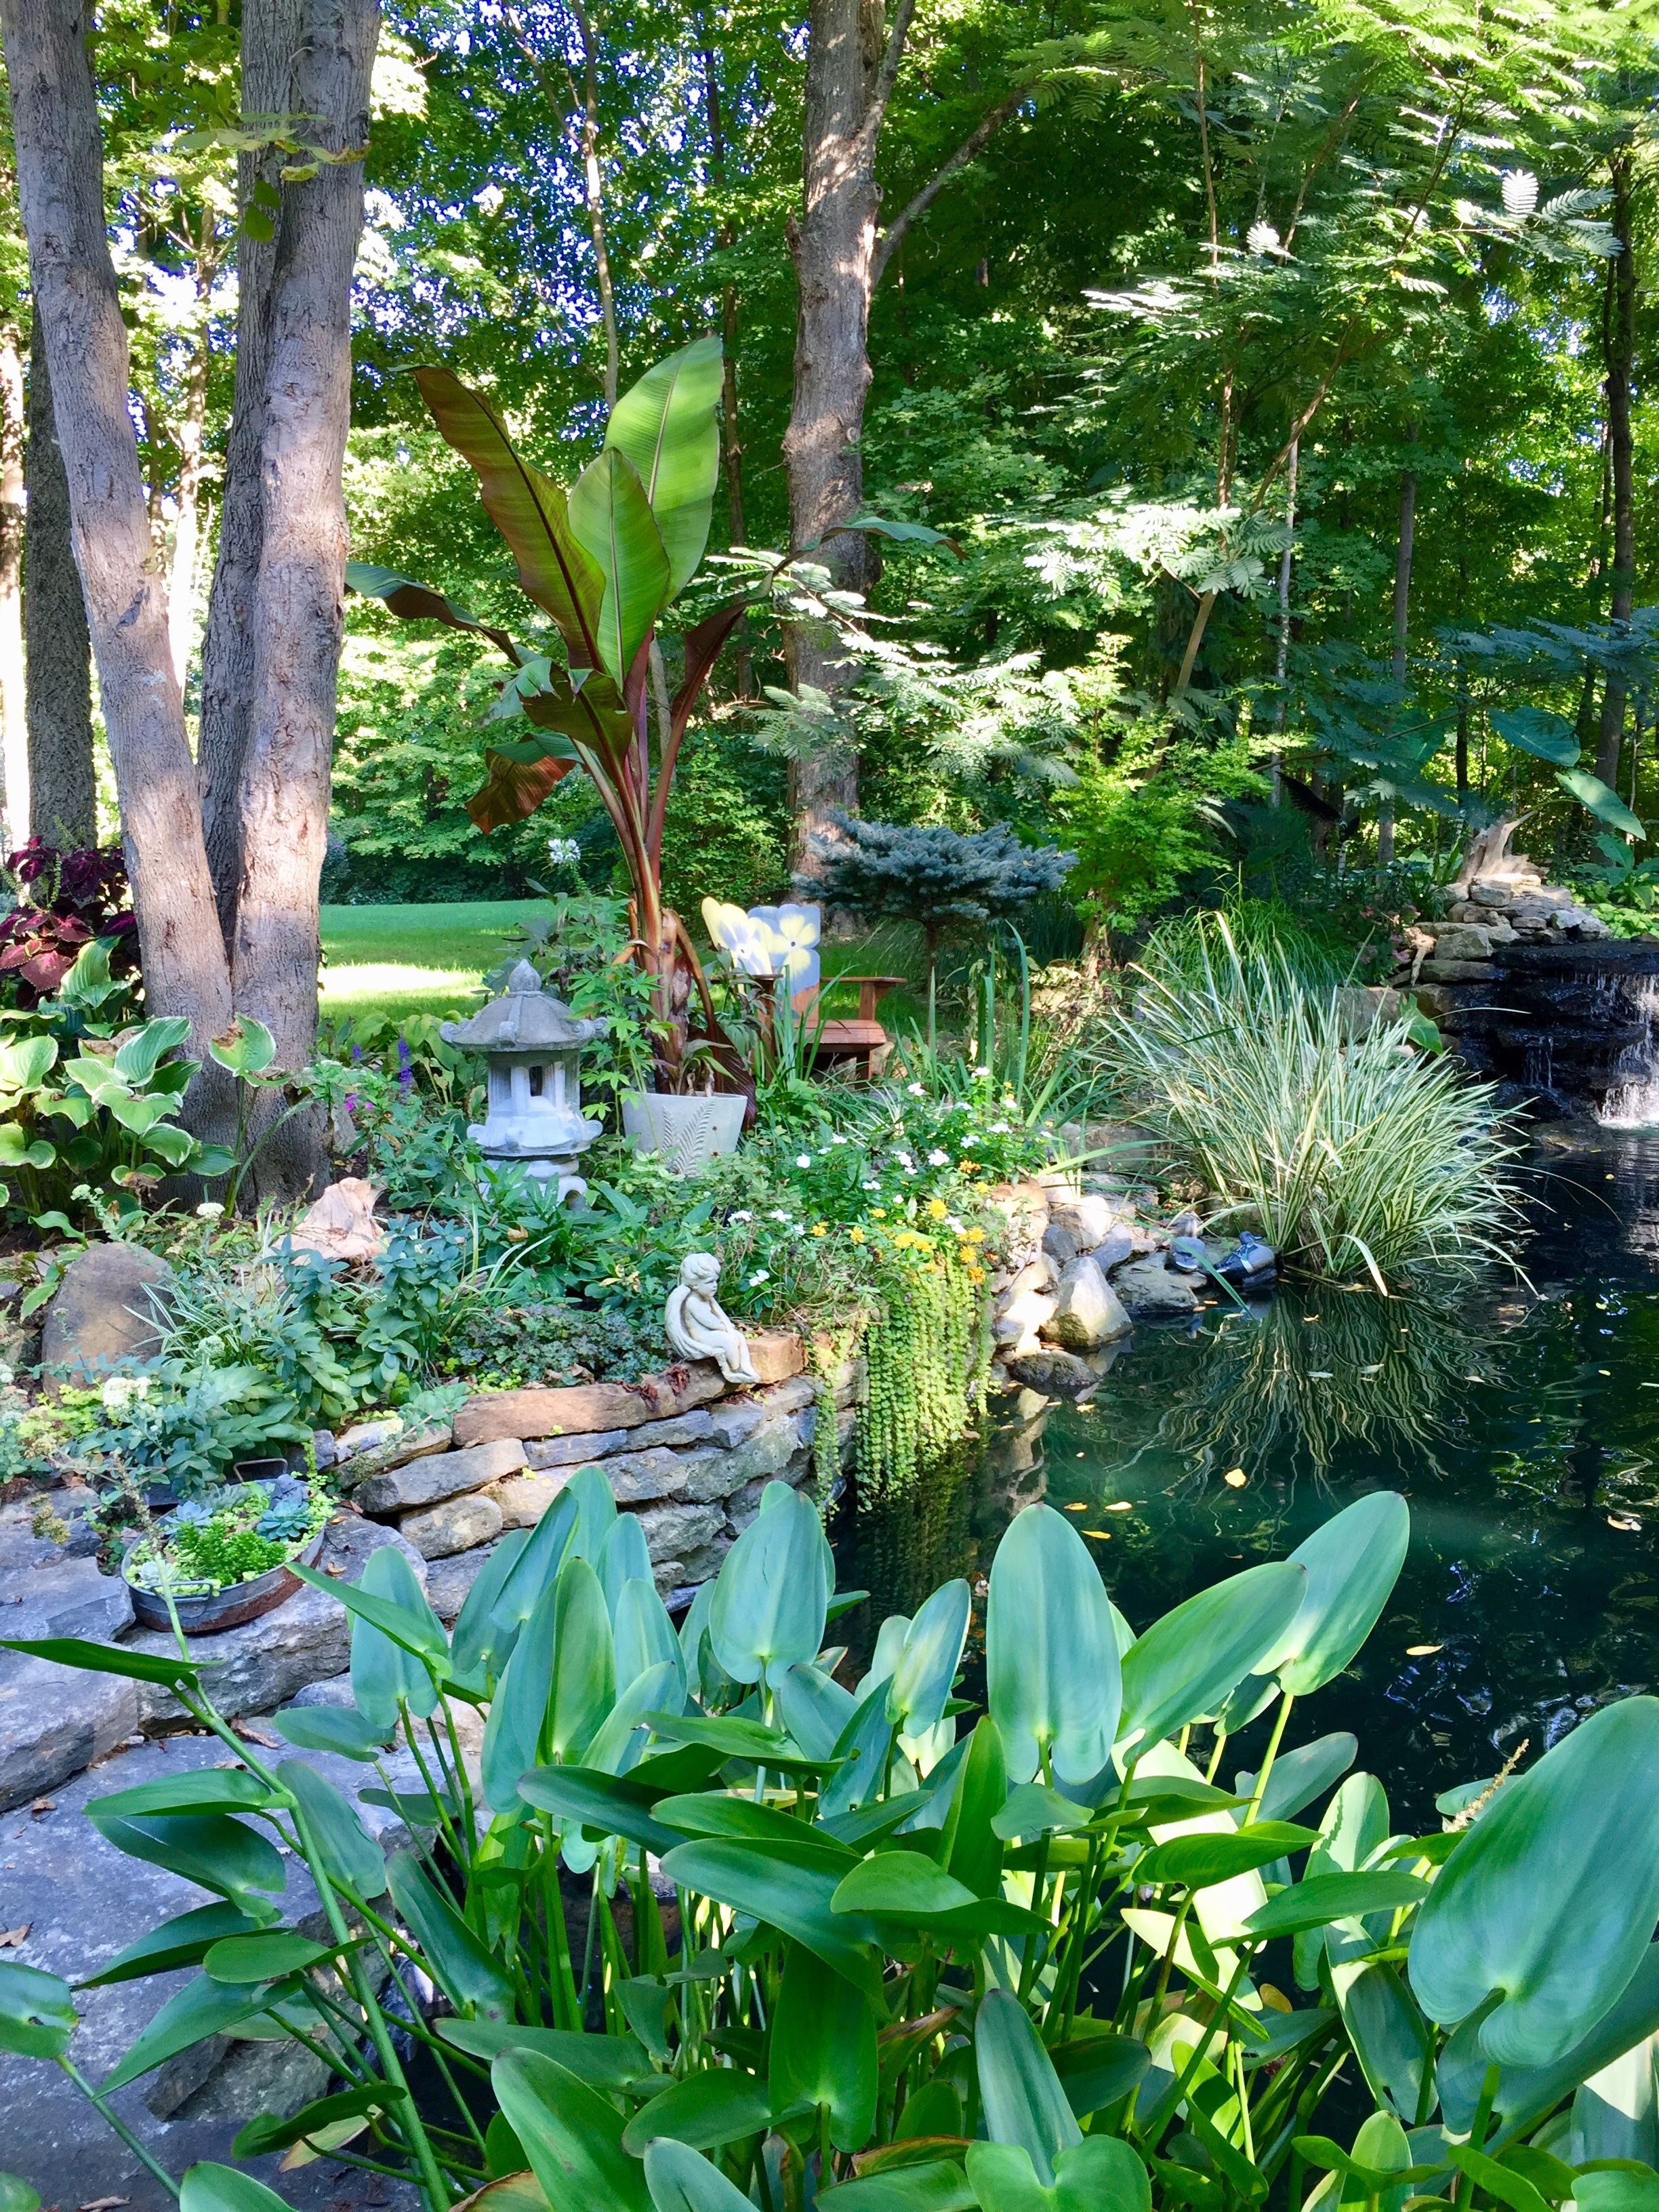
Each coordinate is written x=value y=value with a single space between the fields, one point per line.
x=1632 y=1096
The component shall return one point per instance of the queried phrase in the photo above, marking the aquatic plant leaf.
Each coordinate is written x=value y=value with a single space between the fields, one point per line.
x=183 y=1942
x=1300 y=1776
x=788 y=1886
x=1391 y=2040
x=481 y=1641
x=823 y=2047
x=1198 y=1861
x=1582 y=1830
x=37 y=2013
x=337 y=1728
x=615 y=1804
x=212 y=1849
x=1324 y=1897
x=971 y=1848
x=937 y=2185
x=350 y=1855
x=1352 y=1563
x=605 y=2062
x=393 y=1633
x=209 y=2188
x=190 y=2016
x=1021 y=2094
x=681 y=2180
x=721 y=2106
x=772 y=1594
x=1051 y=1653
x=572 y=2135
x=929 y=1659
x=454 y=1956
x=1186 y=1663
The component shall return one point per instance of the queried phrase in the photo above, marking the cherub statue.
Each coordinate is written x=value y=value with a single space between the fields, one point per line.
x=696 y=1327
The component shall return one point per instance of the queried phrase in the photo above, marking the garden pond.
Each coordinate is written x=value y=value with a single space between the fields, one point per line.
x=1520 y=1421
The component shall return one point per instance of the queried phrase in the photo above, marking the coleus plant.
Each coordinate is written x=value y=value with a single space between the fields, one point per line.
x=693 y=1926
x=605 y=561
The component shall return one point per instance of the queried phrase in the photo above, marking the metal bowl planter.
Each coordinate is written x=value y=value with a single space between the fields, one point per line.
x=687 y=1132
x=207 y=1614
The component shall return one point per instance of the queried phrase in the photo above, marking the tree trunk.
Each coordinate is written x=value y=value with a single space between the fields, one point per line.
x=731 y=441
x=833 y=245
x=60 y=187
x=60 y=784
x=1620 y=364
x=187 y=526
x=270 y=41
x=1282 y=658
x=14 y=727
x=297 y=608
x=1402 y=610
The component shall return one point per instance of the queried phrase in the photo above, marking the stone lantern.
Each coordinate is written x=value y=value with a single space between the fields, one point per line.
x=531 y=1043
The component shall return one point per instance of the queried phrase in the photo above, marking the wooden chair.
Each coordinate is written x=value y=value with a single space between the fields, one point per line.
x=836 y=1041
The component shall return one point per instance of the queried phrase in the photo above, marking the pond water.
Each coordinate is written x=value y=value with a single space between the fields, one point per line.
x=1520 y=1421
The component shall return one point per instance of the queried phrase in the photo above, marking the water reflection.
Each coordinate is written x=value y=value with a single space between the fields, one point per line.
x=1522 y=1421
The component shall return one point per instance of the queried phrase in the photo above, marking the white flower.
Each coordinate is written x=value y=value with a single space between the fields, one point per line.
x=803 y=1159
x=939 y=1159
x=837 y=1138
x=869 y=1184
x=208 y=1209
x=778 y=1214
x=953 y=1225
x=998 y=1129
x=119 y=1391
x=915 y=1090
x=743 y=1214
x=904 y=1160
x=760 y=1276
x=798 y=1229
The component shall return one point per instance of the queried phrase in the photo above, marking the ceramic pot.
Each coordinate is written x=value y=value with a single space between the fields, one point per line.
x=225 y=1608
x=687 y=1132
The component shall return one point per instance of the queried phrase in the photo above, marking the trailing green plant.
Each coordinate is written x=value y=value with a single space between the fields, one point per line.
x=1038 y=1963
x=1353 y=1155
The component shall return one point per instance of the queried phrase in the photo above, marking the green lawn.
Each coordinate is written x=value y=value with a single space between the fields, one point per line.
x=400 y=960
x=396 y=960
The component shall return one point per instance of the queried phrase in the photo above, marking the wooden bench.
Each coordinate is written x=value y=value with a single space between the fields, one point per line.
x=837 y=1041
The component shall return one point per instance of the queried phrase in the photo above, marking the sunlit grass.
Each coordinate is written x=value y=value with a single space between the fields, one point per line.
x=394 y=962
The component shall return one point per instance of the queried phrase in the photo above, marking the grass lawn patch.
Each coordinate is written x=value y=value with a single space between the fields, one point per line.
x=396 y=960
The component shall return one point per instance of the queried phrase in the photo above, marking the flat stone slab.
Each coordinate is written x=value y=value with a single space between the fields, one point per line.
x=455 y=1525
x=583 y=1407
x=65 y=1597
x=437 y=1475
x=100 y=1315
x=82 y=1901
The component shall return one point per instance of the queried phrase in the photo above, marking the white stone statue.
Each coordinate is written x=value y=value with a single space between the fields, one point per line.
x=696 y=1327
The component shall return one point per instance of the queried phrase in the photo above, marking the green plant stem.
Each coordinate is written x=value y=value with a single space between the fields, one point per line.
x=1285 y=1702
x=112 y=2119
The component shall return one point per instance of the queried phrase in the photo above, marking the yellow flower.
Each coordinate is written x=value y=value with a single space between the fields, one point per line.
x=856 y=1235
x=973 y=1236
x=937 y=1208
x=977 y=1274
x=879 y=1214
x=820 y=1229
x=968 y=1167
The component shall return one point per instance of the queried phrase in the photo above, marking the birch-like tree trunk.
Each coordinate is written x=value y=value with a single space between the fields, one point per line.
x=298 y=603
x=1621 y=453
x=60 y=783
x=55 y=122
x=834 y=245
x=1402 y=614
x=271 y=37
x=187 y=515
x=14 y=726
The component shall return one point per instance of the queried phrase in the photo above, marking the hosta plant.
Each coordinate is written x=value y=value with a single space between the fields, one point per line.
x=701 y=1927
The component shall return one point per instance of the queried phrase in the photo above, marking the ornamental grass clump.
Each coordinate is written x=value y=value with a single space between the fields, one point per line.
x=1353 y=1154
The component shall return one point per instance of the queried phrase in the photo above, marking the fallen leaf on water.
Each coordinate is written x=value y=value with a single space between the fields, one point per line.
x=1319 y=1375
x=1120 y=1505
x=335 y=1567
x=1422 y=1650
x=1235 y=1477
x=1101 y=1533
x=11 y=1937
x=104 y=2204
x=1077 y=1509
x=1627 y=1521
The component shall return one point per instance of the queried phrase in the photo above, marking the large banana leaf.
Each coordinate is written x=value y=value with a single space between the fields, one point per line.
x=529 y=510
x=611 y=518
x=421 y=603
x=665 y=424
x=1051 y=1655
x=1550 y=1898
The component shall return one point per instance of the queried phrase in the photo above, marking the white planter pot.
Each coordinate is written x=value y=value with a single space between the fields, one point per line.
x=687 y=1132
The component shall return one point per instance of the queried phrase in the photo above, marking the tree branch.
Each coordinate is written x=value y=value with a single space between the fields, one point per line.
x=886 y=77
x=980 y=137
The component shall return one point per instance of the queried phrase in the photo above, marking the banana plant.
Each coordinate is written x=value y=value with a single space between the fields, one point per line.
x=604 y=561
x=709 y=1920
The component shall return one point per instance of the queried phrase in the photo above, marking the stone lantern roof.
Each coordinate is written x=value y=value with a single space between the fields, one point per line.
x=525 y=1018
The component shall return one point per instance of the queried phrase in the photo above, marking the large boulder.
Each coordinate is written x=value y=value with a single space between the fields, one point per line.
x=1150 y=1291
x=103 y=1313
x=1088 y=1311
